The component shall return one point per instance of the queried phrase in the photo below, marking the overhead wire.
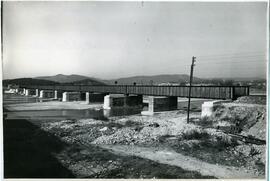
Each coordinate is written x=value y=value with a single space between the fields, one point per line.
x=231 y=60
x=234 y=54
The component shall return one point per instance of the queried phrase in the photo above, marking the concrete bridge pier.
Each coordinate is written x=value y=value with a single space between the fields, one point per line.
x=30 y=92
x=55 y=94
x=71 y=96
x=87 y=101
x=122 y=101
x=27 y=92
x=94 y=97
x=37 y=91
x=41 y=94
x=46 y=94
x=24 y=91
x=160 y=104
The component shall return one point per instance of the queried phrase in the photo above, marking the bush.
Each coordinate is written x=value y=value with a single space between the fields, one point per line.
x=195 y=134
x=205 y=122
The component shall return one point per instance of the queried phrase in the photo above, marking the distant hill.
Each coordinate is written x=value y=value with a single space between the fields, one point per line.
x=156 y=79
x=63 y=78
x=85 y=82
x=28 y=81
x=146 y=80
x=248 y=79
x=72 y=79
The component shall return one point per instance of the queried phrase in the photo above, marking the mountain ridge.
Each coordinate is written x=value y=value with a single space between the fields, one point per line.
x=75 y=79
x=149 y=79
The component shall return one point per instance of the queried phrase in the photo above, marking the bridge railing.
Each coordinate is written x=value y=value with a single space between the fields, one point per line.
x=208 y=92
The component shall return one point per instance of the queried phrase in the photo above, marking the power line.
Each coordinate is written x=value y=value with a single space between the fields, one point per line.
x=232 y=58
x=234 y=54
x=242 y=57
x=225 y=64
x=232 y=62
x=229 y=56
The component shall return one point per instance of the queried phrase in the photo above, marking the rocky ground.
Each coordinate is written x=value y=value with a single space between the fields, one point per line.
x=164 y=145
x=202 y=140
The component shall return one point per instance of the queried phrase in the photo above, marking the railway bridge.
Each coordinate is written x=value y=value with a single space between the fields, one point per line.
x=132 y=95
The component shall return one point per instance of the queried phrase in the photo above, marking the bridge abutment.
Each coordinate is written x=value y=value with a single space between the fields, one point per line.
x=160 y=104
x=209 y=106
x=118 y=101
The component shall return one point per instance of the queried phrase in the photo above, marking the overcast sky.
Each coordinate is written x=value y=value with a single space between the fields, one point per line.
x=119 y=39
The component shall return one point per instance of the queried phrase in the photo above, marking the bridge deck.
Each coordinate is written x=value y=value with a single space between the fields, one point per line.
x=207 y=92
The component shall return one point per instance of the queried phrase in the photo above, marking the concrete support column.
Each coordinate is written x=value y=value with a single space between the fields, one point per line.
x=87 y=96
x=151 y=104
x=71 y=96
x=64 y=97
x=27 y=92
x=41 y=94
x=36 y=93
x=55 y=94
x=122 y=101
x=160 y=104
x=107 y=102
x=46 y=94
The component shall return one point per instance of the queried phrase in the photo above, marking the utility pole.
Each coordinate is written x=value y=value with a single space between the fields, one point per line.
x=190 y=84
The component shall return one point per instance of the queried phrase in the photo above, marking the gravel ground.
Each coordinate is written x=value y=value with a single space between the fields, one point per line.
x=86 y=155
x=167 y=129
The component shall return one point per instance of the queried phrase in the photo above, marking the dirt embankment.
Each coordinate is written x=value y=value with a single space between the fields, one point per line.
x=248 y=120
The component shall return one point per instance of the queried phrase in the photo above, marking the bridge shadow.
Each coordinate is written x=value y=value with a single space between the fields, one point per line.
x=28 y=152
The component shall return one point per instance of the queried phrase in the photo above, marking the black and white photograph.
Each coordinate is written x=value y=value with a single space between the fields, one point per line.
x=134 y=89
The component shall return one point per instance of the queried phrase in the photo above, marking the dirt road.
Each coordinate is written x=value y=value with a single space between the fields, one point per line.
x=170 y=157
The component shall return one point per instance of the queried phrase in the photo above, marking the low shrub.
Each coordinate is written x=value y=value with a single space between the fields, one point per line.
x=195 y=134
x=206 y=122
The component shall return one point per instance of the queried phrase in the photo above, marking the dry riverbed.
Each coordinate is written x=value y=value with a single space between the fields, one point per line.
x=53 y=105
